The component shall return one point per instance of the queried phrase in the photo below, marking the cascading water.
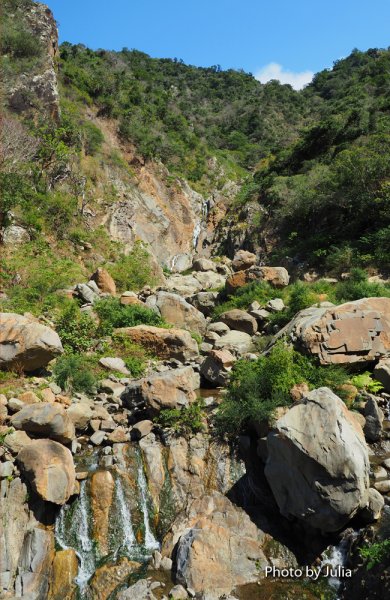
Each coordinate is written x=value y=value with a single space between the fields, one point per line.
x=124 y=517
x=150 y=541
x=73 y=530
x=337 y=557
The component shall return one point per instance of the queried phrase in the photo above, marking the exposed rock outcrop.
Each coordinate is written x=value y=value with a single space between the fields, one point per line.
x=317 y=463
x=355 y=332
x=25 y=343
x=164 y=343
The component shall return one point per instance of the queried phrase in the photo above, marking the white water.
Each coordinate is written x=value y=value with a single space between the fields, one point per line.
x=150 y=541
x=77 y=536
x=128 y=537
x=196 y=234
x=337 y=557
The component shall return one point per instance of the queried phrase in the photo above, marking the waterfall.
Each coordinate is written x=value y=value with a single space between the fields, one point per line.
x=196 y=234
x=72 y=530
x=127 y=532
x=336 y=556
x=150 y=541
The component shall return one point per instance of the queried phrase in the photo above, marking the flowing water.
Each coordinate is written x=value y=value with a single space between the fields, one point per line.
x=150 y=541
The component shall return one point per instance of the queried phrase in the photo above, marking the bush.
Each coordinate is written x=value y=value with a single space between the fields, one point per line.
x=73 y=373
x=187 y=419
x=376 y=553
x=134 y=355
x=113 y=314
x=76 y=329
x=134 y=271
x=357 y=287
x=257 y=388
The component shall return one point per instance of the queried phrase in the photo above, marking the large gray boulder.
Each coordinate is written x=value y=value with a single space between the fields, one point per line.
x=354 y=332
x=317 y=466
x=25 y=343
x=176 y=311
x=49 y=468
x=169 y=389
x=46 y=420
x=237 y=342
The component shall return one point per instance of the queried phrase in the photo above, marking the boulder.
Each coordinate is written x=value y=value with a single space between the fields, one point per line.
x=80 y=413
x=102 y=495
x=114 y=364
x=141 y=429
x=321 y=478
x=109 y=576
x=25 y=343
x=47 y=420
x=382 y=373
x=243 y=260
x=354 y=332
x=204 y=264
x=373 y=510
x=205 y=302
x=176 y=311
x=184 y=285
x=218 y=327
x=16 y=441
x=49 y=468
x=13 y=235
x=87 y=292
x=275 y=305
x=164 y=343
x=130 y=298
x=276 y=276
x=217 y=367
x=104 y=281
x=169 y=389
x=374 y=419
x=238 y=342
x=138 y=591
x=239 y=320
x=210 y=280
x=217 y=547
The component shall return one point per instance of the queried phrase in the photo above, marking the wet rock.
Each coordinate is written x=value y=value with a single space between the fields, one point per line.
x=217 y=367
x=239 y=320
x=164 y=343
x=321 y=479
x=355 y=332
x=176 y=311
x=102 y=493
x=382 y=373
x=49 y=468
x=243 y=260
x=109 y=576
x=155 y=467
x=237 y=342
x=374 y=419
x=25 y=343
x=104 y=281
x=64 y=571
x=218 y=546
x=169 y=389
x=114 y=364
x=47 y=420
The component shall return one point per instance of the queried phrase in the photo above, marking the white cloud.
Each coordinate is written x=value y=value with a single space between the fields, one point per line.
x=276 y=71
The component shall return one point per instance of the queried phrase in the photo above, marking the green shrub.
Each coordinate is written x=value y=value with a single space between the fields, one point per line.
x=357 y=287
x=257 y=388
x=184 y=420
x=113 y=314
x=73 y=373
x=244 y=296
x=77 y=330
x=133 y=271
x=135 y=356
x=93 y=138
x=20 y=43
x=376 y=553
x=364 y=381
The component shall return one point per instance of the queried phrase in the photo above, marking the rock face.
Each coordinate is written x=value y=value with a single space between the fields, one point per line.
x=49 y=468
x=382 y=373
x=218 y=547
x=374 y=419
x=26 y=343
x=355 y=332
x=34 y=565
x=104 y=281
x=175 y=310
x=102 y=493
x=170 y=389
x=320 y=477
x=47 y=420
x=164 y=343
x=64 y=571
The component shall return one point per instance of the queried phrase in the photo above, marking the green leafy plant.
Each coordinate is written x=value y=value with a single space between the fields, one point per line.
x=73 y=373
x=376 y=553
x=184 y=420
x=113 y=314
x=364 y=381
x=77 y=330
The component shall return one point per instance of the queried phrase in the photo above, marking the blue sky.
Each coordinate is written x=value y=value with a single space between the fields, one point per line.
x=281 y=39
